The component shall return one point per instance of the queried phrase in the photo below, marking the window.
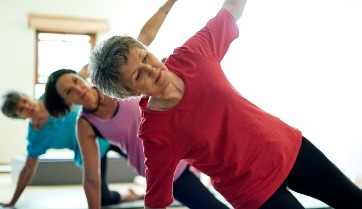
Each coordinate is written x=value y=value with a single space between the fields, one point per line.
x=62 y=42
x=60 y=50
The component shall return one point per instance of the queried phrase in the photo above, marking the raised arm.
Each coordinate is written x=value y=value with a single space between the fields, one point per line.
x=153 y=25
x=148 y=32
x=235 y=7
x=24 y=178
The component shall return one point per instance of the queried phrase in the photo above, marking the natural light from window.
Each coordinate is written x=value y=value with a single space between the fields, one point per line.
x=56 y=51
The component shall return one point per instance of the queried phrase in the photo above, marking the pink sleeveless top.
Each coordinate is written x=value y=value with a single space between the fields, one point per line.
x=122 y=131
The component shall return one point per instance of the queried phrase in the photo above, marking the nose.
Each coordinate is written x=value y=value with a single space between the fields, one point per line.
x=26 y=106
x=150 y=70
x=78 y=89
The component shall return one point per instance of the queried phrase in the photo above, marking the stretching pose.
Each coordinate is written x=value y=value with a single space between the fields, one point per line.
x=191 y=111
x=44 y=133
x=118 y=122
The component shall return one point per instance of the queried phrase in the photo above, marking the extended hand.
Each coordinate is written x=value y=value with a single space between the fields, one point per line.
x=7 y=204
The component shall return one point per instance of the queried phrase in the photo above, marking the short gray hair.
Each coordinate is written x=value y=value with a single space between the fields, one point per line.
x=105 y=65
x=10 y=102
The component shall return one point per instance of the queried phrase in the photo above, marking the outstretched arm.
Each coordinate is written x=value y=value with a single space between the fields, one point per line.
x=91 y=163
x=148 y=32
x=153 y=25
x=84 y=71
x=24 y=179
x=87 y=140
x=235 y=7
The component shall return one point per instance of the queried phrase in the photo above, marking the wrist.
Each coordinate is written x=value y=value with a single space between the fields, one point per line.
x=163 y=9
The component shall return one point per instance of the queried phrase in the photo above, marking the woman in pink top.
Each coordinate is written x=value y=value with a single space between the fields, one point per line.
x=117 y=122
x=191 y=111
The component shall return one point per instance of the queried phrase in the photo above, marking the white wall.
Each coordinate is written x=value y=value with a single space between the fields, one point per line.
x=299 y=60
x=17 y=53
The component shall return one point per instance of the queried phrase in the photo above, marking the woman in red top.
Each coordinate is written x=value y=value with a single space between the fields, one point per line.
x=191 y=111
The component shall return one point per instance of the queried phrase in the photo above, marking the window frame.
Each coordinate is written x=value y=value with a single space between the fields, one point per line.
x=92 y=42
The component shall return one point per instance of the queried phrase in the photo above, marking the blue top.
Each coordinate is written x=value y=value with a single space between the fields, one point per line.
x=59 y=133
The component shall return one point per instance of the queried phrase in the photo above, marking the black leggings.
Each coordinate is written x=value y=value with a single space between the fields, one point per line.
x=313 y=174
x=189 y=190
x=108 y=197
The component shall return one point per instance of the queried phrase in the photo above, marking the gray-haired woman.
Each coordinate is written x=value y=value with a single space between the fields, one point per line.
x=191 y=111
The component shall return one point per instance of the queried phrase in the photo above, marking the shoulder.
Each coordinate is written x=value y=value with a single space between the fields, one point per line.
x=83 y=122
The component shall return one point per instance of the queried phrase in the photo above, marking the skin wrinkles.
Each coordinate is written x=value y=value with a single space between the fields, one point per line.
x=144 y=73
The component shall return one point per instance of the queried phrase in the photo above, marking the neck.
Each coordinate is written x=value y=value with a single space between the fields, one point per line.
x=99 y=102
x=41 y=112
x=171 y=96
x=40 y=117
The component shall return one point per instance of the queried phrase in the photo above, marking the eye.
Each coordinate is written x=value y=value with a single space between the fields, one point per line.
x=138 y=74
x=67 y=92
x=145 y=58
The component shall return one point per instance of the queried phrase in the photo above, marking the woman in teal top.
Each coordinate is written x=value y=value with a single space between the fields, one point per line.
x=59 y=134
x=46 y=132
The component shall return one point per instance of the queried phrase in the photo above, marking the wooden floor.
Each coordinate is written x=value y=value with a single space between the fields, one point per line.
x=73 y=197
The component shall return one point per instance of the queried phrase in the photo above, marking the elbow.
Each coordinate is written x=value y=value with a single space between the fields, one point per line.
x=90 y=180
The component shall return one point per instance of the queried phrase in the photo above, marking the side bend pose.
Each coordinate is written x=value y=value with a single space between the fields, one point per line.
x=251 y=156
x=118 y=122
x=44 y=133
x=47 y=133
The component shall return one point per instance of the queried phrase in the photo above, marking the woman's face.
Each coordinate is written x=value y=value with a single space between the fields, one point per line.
x=73 y=89
x=144 y=73
x=26 y=108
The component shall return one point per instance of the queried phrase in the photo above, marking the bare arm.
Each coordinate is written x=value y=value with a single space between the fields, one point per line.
x=148 y=32
x=91 y=162
x=153 y=25
x=84 y=71
x=235 y=7
x=25 y=175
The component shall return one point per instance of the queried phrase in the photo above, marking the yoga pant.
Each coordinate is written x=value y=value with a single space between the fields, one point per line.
x=189 y=190
x=108 y=197
x=313 y=174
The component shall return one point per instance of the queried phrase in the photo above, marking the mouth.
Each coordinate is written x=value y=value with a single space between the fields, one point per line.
x=158 y=77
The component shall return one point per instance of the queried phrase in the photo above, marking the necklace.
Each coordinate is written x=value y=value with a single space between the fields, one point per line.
x=99 y=101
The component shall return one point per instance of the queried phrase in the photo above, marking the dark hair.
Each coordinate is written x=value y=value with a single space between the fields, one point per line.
x=10 y=103
x=54 y=103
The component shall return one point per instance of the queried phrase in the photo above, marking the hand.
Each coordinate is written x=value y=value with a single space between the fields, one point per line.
x=10 y=205
x=132 y=196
